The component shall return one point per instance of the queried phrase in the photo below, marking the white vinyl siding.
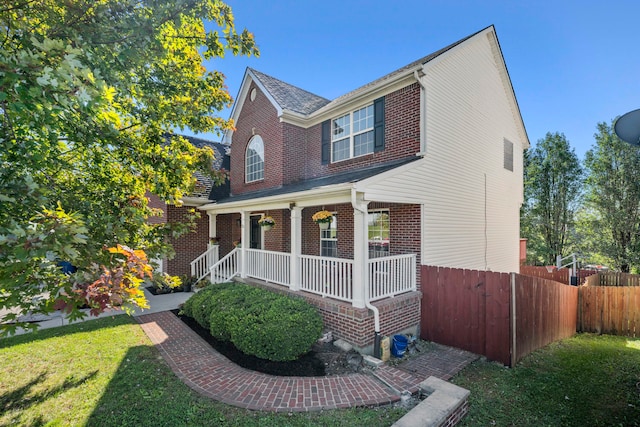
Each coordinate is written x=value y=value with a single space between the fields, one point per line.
x=470 y=202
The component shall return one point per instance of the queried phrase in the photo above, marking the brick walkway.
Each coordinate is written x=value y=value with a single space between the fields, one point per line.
x=213 y=375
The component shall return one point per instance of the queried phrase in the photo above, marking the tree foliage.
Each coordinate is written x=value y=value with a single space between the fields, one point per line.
x=89 y=90
x=613 y=194
x=553 y=179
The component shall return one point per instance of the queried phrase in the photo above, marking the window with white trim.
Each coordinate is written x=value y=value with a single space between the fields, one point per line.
x=329 y=239
x=378 y=230
x=352 y=135
x=254 y=160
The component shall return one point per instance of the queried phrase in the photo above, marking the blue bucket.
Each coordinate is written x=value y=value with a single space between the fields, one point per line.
x=399 y=345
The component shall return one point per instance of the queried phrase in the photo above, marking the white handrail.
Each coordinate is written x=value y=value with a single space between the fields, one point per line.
x=270 y=266
x=391 y=276
x=225 y=269
x=329 y=277
x=201 y=265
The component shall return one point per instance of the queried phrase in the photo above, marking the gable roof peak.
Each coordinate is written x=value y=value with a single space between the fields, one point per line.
x=288 y=96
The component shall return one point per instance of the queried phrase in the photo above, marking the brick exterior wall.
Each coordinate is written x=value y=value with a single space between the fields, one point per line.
x=156 y=203
x=258 y=117
x=402 y=136
x=293 y=153
x=189 y=246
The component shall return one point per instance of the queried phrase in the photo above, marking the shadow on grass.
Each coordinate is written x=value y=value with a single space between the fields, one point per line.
x=144 y=391
x=16 y=399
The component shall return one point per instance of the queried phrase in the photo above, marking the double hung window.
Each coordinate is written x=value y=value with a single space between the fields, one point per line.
x=352 y=135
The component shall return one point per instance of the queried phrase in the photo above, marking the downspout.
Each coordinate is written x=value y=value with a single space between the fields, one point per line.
x=376 y=313
x=423 y=113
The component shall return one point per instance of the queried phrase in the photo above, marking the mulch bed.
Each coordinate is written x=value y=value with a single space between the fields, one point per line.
x=324 y=359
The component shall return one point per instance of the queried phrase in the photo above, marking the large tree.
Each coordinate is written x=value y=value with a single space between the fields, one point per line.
x=613 y=195
x=553 y=180
x=89 y=89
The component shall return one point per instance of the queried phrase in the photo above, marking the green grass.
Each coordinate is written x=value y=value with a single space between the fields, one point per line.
x=106 y=373
x=587 y=380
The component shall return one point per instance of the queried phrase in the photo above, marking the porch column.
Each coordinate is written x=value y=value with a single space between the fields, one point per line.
x=360 y=254
x=245 y=240
x=296 y=247
x=212 y=227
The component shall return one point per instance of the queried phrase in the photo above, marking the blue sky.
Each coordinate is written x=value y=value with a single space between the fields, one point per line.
x=572 y=63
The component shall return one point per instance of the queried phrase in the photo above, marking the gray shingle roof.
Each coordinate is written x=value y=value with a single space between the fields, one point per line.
x=205 y=188
x=290 y=97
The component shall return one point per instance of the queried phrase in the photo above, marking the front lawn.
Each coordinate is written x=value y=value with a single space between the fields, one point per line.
x=105 y=372
x=587 y=380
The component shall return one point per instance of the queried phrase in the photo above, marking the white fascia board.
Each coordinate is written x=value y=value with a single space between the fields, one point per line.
x=364 y=95
x=194 y=201
x=330 y=194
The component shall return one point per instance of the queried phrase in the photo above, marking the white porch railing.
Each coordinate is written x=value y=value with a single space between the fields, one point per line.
x=329 y=277
x=225 y=269
x=270 y=266
x=201 y=265
x=391 y=275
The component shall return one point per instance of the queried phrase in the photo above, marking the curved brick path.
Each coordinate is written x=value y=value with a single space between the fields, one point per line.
x=213 y=375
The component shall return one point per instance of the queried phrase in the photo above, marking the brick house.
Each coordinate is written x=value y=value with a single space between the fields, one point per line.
x=190 y=246
x=420 y=167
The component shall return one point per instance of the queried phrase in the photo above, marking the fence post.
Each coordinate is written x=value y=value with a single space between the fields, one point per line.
x=513 y=319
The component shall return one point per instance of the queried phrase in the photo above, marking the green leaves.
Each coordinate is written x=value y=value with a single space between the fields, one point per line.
x=89 y=91
x=553 y=181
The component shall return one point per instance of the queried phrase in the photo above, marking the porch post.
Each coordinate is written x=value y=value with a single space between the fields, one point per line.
x=212 y=227
x=296 y=247
x=360 y=254
x=245 y=240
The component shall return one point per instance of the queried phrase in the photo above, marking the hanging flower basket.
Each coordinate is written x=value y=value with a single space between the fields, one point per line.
x=267 y=222
x=323 y=219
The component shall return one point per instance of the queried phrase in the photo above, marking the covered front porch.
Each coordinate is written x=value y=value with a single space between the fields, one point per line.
x=368 y=251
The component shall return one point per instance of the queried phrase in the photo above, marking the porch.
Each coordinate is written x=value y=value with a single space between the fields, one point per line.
x=327 y=277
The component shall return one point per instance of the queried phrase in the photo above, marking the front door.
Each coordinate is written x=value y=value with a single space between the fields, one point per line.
x=255 y=232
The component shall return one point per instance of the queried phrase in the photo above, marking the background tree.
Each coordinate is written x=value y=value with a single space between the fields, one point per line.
x=553 y=179
x=613 y=194
x=88 y=91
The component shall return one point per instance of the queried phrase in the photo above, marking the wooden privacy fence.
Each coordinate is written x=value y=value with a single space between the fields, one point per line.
x=612 y=278
x=610 y=310
x=502 y=316
x=558 y=275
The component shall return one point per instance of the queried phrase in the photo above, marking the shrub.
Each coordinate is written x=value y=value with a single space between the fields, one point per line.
x=201 y=304
x=278 y=329
x=258 y=322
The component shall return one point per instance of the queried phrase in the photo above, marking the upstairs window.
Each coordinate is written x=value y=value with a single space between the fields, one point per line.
x=352 y=134
x=254 y=160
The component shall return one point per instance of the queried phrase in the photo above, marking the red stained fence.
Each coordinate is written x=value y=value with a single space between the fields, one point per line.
x=502 y=316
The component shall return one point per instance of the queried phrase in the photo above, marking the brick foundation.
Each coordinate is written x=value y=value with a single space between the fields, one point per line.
x=356 y=325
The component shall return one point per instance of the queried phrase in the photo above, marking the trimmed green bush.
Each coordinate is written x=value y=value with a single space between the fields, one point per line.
x=278 y=329
x=258 y=322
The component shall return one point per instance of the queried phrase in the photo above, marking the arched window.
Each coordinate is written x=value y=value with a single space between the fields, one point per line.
x=254 y=160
